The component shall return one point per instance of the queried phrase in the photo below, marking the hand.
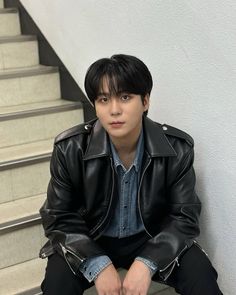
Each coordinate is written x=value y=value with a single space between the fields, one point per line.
x=108 y=282
x=137 y=280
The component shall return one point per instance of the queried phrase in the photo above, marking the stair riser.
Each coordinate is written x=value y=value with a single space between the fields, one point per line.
x=21 y=245
x=18 y=54
x=20 y=278
x=9 y=24
x=42 y=127
x=22 y=182
x=30 y=89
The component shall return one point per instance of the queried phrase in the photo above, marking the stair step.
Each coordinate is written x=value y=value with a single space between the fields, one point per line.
x=24 y=180
x=43 y=122
x=24 y=85
x=16 y=214
x=22 y=277
x=25 y=279
x=9 y=22
x=25 y=154
x=27 y=72
x=24 y=170
x=21 y=231
x=21 y=241
x=18 y=51
x=37 y=108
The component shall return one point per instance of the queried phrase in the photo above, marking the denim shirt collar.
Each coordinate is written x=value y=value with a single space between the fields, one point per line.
x=138 y=155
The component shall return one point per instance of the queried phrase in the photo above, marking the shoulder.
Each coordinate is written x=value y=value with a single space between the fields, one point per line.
x=84 y=128
x=171 y=131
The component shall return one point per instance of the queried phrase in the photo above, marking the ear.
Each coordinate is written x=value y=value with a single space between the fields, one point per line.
x=146 y=101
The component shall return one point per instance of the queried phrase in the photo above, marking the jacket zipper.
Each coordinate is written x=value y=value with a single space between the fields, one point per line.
x=174 y=262
x=45 y=254
x=108 y=211
x=196 y=243
x=139 y=197
x=65 y=251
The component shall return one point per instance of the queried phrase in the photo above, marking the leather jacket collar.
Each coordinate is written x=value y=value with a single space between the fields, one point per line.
x=156 y=142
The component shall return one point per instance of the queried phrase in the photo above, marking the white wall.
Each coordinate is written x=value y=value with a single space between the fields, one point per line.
x=190 y=48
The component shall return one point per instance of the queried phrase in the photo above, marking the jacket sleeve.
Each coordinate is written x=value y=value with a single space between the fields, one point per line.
x=181 y=225
x=63 y=220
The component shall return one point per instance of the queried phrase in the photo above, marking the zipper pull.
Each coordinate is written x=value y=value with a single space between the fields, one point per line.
x=63 y=248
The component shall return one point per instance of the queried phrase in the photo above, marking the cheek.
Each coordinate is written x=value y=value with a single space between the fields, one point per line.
x=98 y=112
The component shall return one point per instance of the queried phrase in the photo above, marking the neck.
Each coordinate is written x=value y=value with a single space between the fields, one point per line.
x=127 y=144
x=126 y=147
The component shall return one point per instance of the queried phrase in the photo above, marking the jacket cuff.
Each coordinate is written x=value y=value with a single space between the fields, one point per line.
x=92 y=267
x=150 y=264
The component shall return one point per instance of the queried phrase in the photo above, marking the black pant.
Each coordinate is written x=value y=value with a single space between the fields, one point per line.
x=194 y=276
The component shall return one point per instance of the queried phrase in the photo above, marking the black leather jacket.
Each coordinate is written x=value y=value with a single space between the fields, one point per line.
x=82 y=191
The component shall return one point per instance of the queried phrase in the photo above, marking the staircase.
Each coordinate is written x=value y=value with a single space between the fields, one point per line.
x=32 y=113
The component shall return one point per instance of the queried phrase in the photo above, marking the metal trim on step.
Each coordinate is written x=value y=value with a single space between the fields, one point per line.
x=25 y=161
x=20 y=223
x=8 y=10
x=16 y=39
x=41 y=111
x=27 y=72
x=34 y=291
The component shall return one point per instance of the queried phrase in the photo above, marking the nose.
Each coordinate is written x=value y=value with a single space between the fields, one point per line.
x=115 y=107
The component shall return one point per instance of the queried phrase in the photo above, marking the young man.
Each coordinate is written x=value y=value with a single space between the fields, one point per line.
x=122 y=194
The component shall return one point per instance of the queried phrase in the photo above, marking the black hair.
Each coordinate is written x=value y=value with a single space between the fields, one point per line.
x=124 y=73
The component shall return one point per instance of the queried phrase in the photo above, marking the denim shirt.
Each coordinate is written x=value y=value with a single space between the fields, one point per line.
x=126 y=220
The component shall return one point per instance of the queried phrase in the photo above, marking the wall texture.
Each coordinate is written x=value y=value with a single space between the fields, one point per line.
x=190 y=48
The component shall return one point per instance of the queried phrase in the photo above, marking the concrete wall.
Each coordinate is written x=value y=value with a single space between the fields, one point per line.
x=189 y=47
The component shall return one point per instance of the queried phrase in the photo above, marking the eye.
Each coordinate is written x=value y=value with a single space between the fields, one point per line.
x=125 y=97
x=102 y=99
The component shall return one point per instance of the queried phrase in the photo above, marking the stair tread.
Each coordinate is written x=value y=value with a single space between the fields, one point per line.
x=22 y=277
x=22 y=208
x=28 y=275
x=27 y=71
x=23 y=108
x=26 y=151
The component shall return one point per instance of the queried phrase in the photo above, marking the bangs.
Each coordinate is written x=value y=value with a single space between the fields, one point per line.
x=115 y=83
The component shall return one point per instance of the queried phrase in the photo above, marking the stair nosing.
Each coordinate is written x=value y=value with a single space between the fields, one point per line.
x=20 y=223
x=33 y=291
x=8 y=10
x=17 y=38
x=41 y=111
x=27 y=72
x=25 y=161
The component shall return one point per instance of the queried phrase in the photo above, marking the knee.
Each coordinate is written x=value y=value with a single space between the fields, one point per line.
x=196 y=275
x=59 y=279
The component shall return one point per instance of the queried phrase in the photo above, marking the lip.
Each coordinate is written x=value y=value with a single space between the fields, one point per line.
x=116 y=124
